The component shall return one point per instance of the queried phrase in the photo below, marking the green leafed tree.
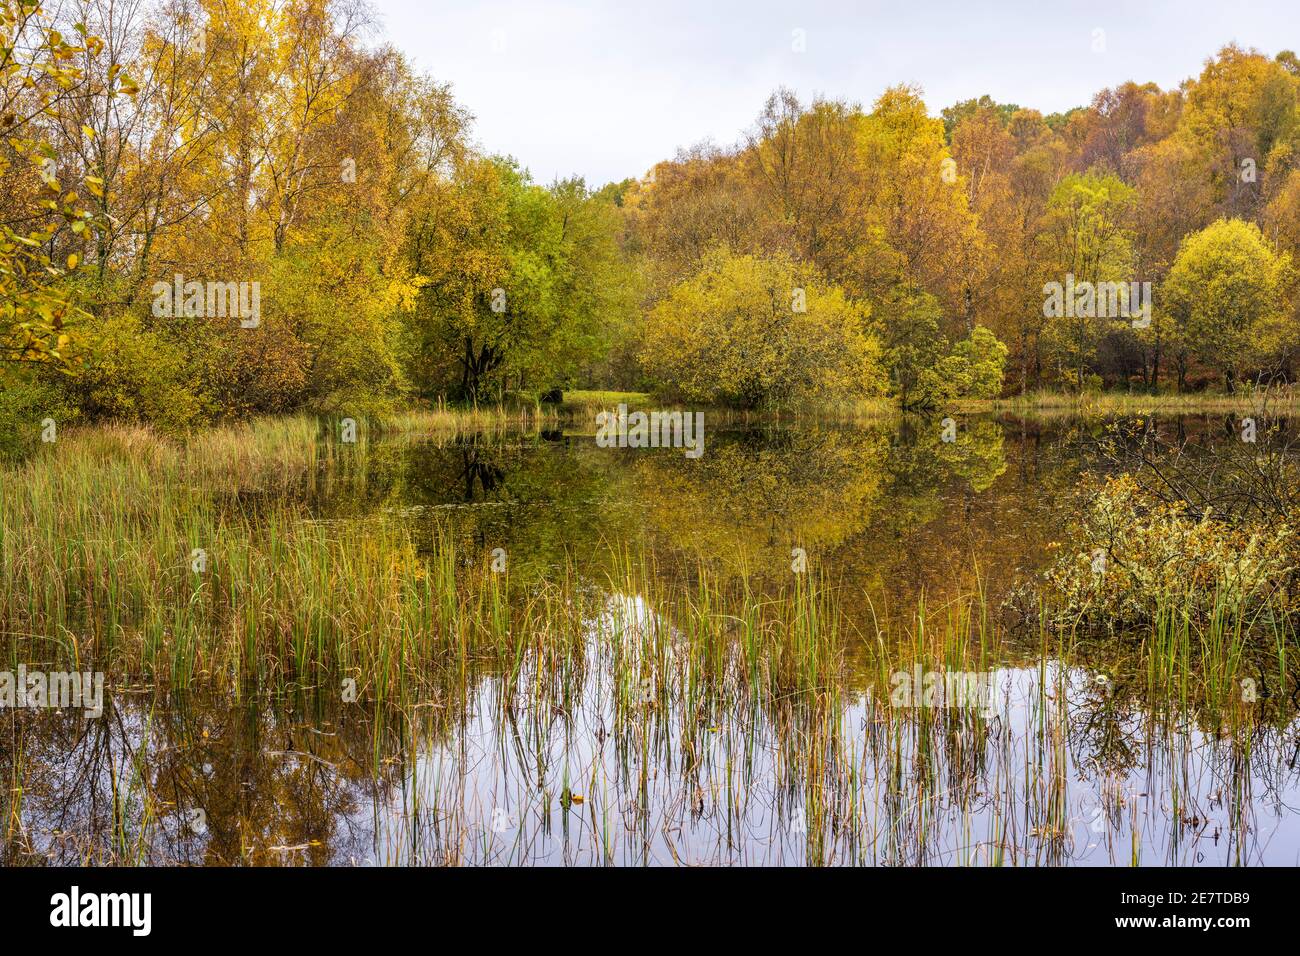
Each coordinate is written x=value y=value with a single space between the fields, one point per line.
x=923 y=371
x=520 y=283
x=1225 y=289
x=1086 y=235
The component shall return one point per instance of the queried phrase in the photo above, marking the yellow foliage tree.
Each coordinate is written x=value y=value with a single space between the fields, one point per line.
x=755 y=333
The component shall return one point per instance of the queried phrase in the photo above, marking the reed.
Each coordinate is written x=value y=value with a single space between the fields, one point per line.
x=621 y=710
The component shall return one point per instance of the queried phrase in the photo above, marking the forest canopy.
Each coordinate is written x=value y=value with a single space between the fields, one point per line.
x=280 y=159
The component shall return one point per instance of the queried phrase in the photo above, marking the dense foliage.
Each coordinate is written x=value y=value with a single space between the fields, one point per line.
x=215 y=212
x=751 y=333
x=1135 y=559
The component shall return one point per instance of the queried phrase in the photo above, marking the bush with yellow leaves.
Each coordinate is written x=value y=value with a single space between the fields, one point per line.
x=1133 y=558
x=750 y=332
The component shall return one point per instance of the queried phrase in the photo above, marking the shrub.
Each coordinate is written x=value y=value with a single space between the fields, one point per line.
x=1135 y=558
x=980 y=361
x=921 y=375
x=732 y=335
x=26 y=401
x=128 y=373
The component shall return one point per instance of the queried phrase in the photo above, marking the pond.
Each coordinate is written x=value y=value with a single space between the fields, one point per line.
x=637 y=738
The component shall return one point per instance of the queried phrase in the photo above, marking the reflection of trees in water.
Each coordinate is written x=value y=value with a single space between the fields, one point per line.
x=191 y=780
x=544 y=498
x=731 y=775
x=478 y=471
x=755 y=495
x=1076 y=781
x=889 y=503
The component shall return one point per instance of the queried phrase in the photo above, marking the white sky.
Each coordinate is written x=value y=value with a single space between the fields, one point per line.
x=605 y=90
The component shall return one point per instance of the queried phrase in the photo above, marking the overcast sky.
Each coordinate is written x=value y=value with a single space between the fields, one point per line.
x=605 y=90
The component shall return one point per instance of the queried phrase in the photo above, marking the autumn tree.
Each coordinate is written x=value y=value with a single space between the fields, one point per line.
x=1009 y=165
x=760 y=333
x=41 y=74
x=919 y=227
x=924 y=371
x=1225 y=290
x=1085 y=238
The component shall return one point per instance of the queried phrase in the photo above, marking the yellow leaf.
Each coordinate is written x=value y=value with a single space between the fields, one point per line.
x=72 y=261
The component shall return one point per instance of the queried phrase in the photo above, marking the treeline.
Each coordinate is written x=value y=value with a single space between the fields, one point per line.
x=213 y=210
x=173 y=169
x=940 y=227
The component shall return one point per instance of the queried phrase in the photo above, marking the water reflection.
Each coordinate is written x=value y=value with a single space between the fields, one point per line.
x=1063 y=774
x=1081 y=763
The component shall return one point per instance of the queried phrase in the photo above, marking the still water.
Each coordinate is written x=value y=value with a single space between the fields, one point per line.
x=1069 y=759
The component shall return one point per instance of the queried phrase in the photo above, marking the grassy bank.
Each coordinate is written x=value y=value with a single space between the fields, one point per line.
x=1092 y=404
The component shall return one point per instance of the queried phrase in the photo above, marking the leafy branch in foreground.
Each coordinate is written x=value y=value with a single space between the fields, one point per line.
x=39 y=77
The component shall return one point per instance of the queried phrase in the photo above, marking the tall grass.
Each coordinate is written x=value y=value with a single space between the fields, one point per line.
x=198 y=559
x=124 y=548
x=1097 y=404
x=763 y=701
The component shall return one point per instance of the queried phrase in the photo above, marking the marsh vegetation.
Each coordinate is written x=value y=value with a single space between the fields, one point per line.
x=989 y=557
x=507 y=645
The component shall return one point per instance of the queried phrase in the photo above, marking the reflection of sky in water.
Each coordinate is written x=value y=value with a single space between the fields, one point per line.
x=491 y=789
x=977 y=822
x=482 y=780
